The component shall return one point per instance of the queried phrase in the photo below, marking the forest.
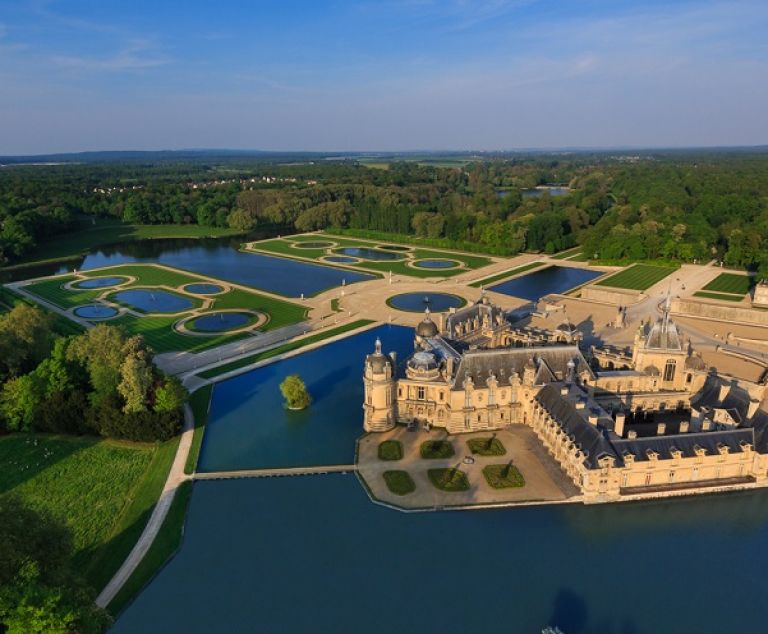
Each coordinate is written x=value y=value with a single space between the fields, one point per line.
x=682 y=206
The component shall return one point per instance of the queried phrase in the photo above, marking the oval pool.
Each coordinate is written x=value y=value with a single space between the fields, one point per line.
x=203 y=289
x=436 y=264
x=393 y=247
x=99 y=282
x=153 y=301
x=220 y=322
x=369 y=254
x=95 y=311
x=418 y=302
x=312 y=245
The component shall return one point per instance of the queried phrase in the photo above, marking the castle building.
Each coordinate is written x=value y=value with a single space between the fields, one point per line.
x=646 y=420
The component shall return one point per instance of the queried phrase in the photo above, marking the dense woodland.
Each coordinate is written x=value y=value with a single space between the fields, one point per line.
x=680 y=206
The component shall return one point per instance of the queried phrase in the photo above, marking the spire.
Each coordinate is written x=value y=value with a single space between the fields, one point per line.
x=378 y=345
x=667 y=308
x=426 y=313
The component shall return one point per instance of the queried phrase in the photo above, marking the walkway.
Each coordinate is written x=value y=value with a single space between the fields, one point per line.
x=175 y=477
x=268 y=473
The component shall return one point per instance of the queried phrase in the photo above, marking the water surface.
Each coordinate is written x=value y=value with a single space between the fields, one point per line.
x=311 y=554
x=436 y=264
x=153 y=301
x=369 y=254
x=418 y=302
x=95 y=311
x=203 y=289
x=99 y=282
x=220 y=322
x=553 y=279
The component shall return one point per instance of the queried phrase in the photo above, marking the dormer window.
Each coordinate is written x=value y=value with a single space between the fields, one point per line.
x=675 y=453
x=651 y=454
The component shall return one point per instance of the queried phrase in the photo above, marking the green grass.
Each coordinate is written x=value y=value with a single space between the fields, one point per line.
x=637 y=277
x=390 y=450
x=53 y=291
x=335 y=305
x=108 y=231
x=102 y=490
x=486 y=446
x=503 y=476
x=280 y=313
x=287 y=347
x=199 y=401
x=721 y=296
x=165 y=545
x=731 y=283
x=149 y=275
x=450 y=479
x=566 y=254
x=436 y=449
x=506 y=274
x=61 y=325
x=399 y=482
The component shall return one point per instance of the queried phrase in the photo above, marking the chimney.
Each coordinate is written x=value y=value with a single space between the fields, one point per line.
x=564 y=390
x=581 y=404
x=393 y=356
x=449 y=366
x=631 y=434
x=752 y=408
x=706 y=425
x=724 y=389
x=661 y=429
x=618 y=427
x=684 y=424
x=593 y=419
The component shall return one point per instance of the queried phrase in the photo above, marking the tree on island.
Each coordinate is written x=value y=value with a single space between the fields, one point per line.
x=295 y=392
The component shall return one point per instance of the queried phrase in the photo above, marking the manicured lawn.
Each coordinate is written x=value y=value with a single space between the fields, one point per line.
x=506 y=274
x=503 y=476
x=53 y=290
x=399 y=482
x=287 y=347
x=61 y=325
x=390 y=450
x=637 y=277
x=450 y=479
x=566 y=254
x=165 y=545
x=281 y=313
x=720 y=296
x=436 y=449
x=199 y=401
x=732 y=283
x=486 y=446
x=148 y=275
x=102 y=490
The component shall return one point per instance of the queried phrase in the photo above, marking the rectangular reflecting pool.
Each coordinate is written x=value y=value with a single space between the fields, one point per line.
x=311 y=554
x=553 y=279
x=250 y=428
x=264 y=272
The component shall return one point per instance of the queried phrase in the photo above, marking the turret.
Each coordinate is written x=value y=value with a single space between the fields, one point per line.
x=379 y=384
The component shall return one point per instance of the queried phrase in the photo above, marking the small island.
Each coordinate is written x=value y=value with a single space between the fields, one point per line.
x=295 y=393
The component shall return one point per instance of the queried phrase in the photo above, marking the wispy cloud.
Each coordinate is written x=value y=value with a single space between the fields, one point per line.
x=135 y=56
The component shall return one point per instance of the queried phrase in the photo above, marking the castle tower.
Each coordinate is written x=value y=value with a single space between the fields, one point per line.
x=379 y=401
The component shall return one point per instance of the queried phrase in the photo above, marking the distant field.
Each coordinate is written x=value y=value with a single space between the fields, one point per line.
x=506 y=274
x=102 y=490
x=730 y=283
x=158 y=330
x=637 y=277
x=722 y=296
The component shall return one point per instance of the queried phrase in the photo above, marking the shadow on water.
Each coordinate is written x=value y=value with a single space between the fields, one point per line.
x=569 y=612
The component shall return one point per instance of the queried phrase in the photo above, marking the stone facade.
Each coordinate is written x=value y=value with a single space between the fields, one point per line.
x=760 y=297
x=649 y=419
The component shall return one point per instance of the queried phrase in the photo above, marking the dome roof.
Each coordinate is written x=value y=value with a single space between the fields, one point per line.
x=426 y=328
x=695 y=362
x=422 y=361
x=378 y=362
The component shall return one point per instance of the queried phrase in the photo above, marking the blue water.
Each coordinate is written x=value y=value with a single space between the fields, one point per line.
x=436 y=264
x=537 y=193
x=553 y=279
x=250 y=428
x=219 y=322
x=416 y=302
x=95 y=311
x=99 y=282
x=153 y=301
x=203 y=289
x=342 y=259
x=264 y=272
x=312 y=554
x=393 y=247
x=369 y=254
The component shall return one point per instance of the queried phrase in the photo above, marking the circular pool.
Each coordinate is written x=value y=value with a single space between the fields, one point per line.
x=341 y=259
x=153 y=300
x=312 y=245
x=203 y=289
x=95 y=311
x=369 y=254
x=417 y=302
x=393 y=247
x=436 y=264
x=220 y=322
x=99 y=282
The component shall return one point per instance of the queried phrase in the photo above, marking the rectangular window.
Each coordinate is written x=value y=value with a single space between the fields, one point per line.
x=420 y=393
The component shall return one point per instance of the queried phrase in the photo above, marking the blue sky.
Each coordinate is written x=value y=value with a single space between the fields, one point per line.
x=381 y=75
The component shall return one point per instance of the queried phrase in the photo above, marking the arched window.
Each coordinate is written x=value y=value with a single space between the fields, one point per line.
x=669 y=370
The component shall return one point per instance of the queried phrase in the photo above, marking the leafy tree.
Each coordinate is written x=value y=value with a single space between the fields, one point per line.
x=20 y=402
x=25 y=339
x=170 y=395
x=295 y=392
x=136 y=376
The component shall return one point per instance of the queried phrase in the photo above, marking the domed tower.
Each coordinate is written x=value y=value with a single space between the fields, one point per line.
x=379 y=400
x=425 y=329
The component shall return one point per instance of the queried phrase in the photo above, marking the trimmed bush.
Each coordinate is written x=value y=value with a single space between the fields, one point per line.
x=399 y=482
x=503 y=476
x=452 y=479
x=436 y=449
x=390 y=450
x=486 y=446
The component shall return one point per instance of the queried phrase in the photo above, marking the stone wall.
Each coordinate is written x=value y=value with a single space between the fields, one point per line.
x=719 y=312
x=614 y=296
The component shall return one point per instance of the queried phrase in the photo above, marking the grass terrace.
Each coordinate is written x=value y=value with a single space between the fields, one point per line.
x=486 y=446
x=451 y=479
x=390 y=450
x=725 y=297
x=503 y=476
x=436 y=449
x=637 y=277
x=200 y=402
x=730 y=283
x=399 y=482
x=104 y=491
x=506 y=274
x=568 y=253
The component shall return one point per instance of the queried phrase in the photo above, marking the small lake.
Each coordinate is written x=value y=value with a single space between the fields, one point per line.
x=153 y=301
x=310 y=554
x=95 y=311
x=552 y=191
x=369 y=254
x=419 y=302
x=553 y=279
x=436 y=264
x=249 y=427
x=220 y=322
x=99 y=282
x=203 y=289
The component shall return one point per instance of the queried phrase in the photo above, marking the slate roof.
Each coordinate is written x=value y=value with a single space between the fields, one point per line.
x=686 y=443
